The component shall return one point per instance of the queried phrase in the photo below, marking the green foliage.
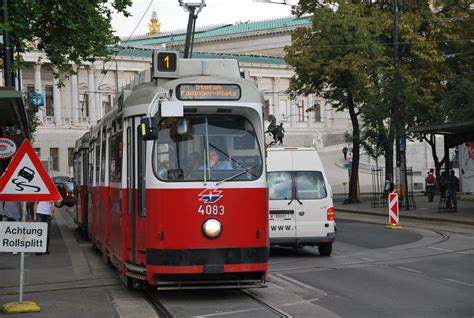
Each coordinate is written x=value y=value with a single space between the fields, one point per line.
x=67 y=31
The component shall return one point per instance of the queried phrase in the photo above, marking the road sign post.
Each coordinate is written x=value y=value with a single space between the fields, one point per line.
x=25 y=180
x=393 y=211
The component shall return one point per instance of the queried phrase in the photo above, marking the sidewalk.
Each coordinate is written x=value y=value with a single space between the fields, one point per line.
x=424 y=210
x=72 y=281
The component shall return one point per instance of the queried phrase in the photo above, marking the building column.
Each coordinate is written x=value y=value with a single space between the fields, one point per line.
x=74 y=99
x=37 y=67
x=57 y=102
x=1 y=78
x=91 y=96
x=293 y=112
x=276 y=98
x=98 y=101
x=311 y=114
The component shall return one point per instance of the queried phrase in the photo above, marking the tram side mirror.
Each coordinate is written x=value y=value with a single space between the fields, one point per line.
x=149 y=128
x=182 y=126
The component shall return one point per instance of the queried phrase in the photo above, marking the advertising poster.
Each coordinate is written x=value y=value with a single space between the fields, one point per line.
x=466 y=165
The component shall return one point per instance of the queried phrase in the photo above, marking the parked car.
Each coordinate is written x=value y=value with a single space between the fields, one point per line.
x=66 y=189
x=61 y=179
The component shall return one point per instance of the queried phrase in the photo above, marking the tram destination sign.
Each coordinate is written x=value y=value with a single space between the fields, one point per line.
x=23 y=236
x=208 y=92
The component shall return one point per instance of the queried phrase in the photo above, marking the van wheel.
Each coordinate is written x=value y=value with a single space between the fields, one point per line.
x=325 y=249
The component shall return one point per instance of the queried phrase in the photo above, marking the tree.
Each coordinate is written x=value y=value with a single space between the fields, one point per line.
x=66 y=31
x=338 y=58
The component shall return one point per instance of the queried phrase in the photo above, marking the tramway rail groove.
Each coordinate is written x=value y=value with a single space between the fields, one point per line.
x=163 y=311
x=443 y=238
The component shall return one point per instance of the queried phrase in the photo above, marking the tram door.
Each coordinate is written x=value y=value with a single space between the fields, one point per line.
x=131 y=137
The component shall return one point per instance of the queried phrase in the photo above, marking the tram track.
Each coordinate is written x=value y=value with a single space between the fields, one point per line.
x=444 y=237
x=255 y=304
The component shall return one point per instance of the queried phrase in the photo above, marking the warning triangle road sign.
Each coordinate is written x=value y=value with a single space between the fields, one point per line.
x=26 y=179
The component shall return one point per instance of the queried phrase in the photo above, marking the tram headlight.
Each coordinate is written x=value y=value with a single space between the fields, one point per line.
x=212 y=228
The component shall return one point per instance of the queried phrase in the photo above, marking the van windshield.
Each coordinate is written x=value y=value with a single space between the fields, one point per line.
x=309 y=185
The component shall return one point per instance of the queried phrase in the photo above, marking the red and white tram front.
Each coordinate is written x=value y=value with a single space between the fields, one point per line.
x=206 y=195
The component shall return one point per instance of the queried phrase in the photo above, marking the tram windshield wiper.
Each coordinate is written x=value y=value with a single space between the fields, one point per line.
x=238 y=174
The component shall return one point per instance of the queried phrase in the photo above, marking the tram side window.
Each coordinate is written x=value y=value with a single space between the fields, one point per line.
x=310 y=185
x=280 y=185
x=115 y=167
x=102 y=162
x=97 y=160
x=91 y=166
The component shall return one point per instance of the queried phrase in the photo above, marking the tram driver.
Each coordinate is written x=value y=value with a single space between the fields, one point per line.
x=216 y=164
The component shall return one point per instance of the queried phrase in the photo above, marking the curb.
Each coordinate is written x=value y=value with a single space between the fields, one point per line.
x=413 y=217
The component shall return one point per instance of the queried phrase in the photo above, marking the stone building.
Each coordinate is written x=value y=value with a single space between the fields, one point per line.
x=69 y=111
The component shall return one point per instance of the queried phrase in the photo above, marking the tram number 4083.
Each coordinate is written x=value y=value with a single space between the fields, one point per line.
x=206 y=209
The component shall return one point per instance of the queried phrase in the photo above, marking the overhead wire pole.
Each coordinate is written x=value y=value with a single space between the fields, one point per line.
x=193 y=8
x=399 y=108
x=7 y=52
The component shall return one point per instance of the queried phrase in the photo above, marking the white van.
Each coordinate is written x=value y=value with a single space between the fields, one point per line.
x=301 y=206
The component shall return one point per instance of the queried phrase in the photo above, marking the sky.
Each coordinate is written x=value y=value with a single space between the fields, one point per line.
x=173 y=17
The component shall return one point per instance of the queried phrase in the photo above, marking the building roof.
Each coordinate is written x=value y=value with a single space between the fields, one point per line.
x=221 y=30
x=241 y=58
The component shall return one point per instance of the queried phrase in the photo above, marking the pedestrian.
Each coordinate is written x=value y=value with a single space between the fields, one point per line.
x=11 y=212
x=349 y=156
x=453 y=187
x=388 y=187
x=344 y=151
x=430 y=185
x=443 y=184
x=44 y=212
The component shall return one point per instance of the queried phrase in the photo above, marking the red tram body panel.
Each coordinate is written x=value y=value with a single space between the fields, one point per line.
x=172 y=180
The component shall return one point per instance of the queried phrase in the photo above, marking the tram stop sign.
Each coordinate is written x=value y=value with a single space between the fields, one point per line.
x=26 y=179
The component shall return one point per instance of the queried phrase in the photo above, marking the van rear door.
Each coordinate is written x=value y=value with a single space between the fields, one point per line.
x=312 y=201
x=282 y=214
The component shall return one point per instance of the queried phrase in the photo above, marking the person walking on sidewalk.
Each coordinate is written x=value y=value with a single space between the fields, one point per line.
x=44 y=212
x=430 y=185
x=344 y=152
x=11 y=212
x=453 y=187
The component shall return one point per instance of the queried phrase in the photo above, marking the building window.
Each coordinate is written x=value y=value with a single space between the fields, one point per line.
x=106 y=103
x=49 y=100
x=317 y=112
x=266 y=110
x=54 y=154
x=70 y=157
x=301 y=111
x=84 y=104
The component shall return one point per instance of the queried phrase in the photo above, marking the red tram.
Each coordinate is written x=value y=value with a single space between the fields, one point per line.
x=172 y=186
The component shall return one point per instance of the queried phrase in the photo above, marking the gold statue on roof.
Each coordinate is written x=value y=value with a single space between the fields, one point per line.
x=154 y=25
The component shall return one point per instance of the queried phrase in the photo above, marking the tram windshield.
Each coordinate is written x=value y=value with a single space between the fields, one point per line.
x=207 y=148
